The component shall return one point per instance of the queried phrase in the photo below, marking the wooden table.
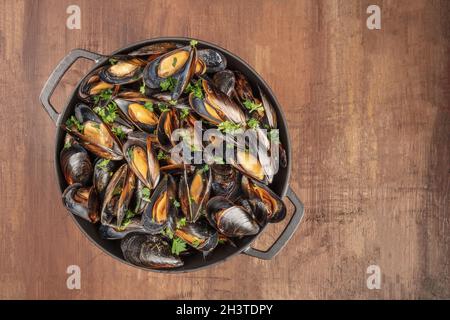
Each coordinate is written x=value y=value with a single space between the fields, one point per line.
x=368 y=113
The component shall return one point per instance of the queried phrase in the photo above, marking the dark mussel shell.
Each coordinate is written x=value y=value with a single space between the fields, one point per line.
x=213 y=60
x=149 y=251
x=161 y=212
x=113 y=233
x=225 y=82
x=138 y=113
x=92 y=85
x=276 y=209
x=249 y=164
x=178 y=64
x=95 y=135
x=82 y=201
x=168 y=123
x=229 y=219
x=76 y=164
x=141 y=159
x=139 y=201
x=155 y=49
x=193 y=193
x=225 y=181
x=124 y=71
x=257 y=208
x=117 y=197
x=103 y=172
x=270 y=115
x=199 y=235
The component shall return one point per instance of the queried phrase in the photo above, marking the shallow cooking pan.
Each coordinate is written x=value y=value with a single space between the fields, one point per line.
x=280 y=183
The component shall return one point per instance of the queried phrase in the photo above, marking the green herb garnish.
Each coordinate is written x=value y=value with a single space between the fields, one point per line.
x=118 y=131
x=67 y=144
x=72 y=121
x=162 y=107
x=142 y=88
x=205 y=168
x=178 y=246
x=184 y=112
x=176 y=203
x=196 y=243
x=113 y=61
x=104 y=95
x=145 y=192
x=181 y=223
x=228 y=127
x=103 y=164
x=168 y=84
x=127 y=219
x=162 y=155
x=107 y=113
x=148 y=105
x=274 y=135
x=167 y=232
x=196 y=88
x=174 y=62
x=117 y=191
x=193 y=43
x=253 y=123
x=251 y=106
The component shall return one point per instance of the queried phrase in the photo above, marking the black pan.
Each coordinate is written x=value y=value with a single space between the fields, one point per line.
x=280 y=184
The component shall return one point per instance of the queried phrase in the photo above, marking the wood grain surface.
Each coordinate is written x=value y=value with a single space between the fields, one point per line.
x=368 y=113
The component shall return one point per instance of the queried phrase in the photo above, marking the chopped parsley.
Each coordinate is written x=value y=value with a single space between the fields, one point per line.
x=162 y=107
x=145 y=192
x=142 y=88
x=196 y=243
x=253 y=123
x=103 y=164
x=113 y=61
x=193 y=43
x=119 y=132
x=174 y=62
x=274 y=135
x=228 y=127
x=67 y=144
x=108 y=113
x=167 y=232
x=73 y=122
x=176 y=203
x=168 y=84
x=148 y=105
x=104 y=95
x=196 y=88
x=162 y=155
x=184 y=112
x=205 y=168
x=251 y=106
x=127 y=219
x=181 y=223
x=178 y=246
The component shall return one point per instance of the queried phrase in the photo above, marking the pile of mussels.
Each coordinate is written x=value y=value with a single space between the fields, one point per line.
x=116 y=156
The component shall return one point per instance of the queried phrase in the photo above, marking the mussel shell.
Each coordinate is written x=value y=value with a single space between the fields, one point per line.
x=112 y=233
x=270 y=115
x=92 y=85
x=136 y=112
x=276 y=209
x=82 y=201
x=155 y=49
x=249 y=164
x=102 y=175
x=123 y=72
x=168 y=123
x=155 y=221
x=225 y=82
x=225 y=181
x=193 y=193
x=213 y=60
x=138 y=202
x=229 y=219
x=76 y=165
x=105 y=145
x=148 y=251
x=199 y=235
x=243 y=87
x=182 y=74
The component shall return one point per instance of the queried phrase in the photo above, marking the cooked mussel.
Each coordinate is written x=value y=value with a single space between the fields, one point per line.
x=161 y=212
x=225 y=181
x=114 y=233
x=193 y=193
x=216 y=106
x=76 y=164
x=82 y=201
x=141 y=159
x=198 y=235
x=229 y=219
x=276 y=208
x=248 y=163
x=213 y=60
x=140 y=112
x=225 y=81
x=123 y=71
x=149 y=251
x=155 y=49
x=168 y=123
x=117 y=198
x=177 y=65
x=89 y=130
x=103 y=172
x=93 y=85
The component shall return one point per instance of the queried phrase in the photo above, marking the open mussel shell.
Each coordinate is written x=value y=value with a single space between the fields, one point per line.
x=248 y=163
x=276 y=209
x=155 y=49
x=92 y=85
x=76 y=164
x=94 y=135
x=82 y=201
x=168 y=123
x=213 y=60
x=149 y=251
x=124 y=71
x=216 y=106
x=229 y=219
x=118 y=196
x=137 y=112
x=139 y=201
x=257 y=208
x=193 y=193
x=225 y=181
x=161 y=213
x=178 y=64
x=141 y=159
x=103 y=172
x=270 y=115
x=199 y=235
x=114 y=233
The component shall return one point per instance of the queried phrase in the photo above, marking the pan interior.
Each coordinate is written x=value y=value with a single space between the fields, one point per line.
x=221 y=253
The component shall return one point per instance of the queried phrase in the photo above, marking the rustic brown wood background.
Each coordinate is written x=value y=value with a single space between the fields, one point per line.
x=368 y=113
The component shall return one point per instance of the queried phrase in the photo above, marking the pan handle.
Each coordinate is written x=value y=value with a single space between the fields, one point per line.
x=287 y=233
x=58 y=73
